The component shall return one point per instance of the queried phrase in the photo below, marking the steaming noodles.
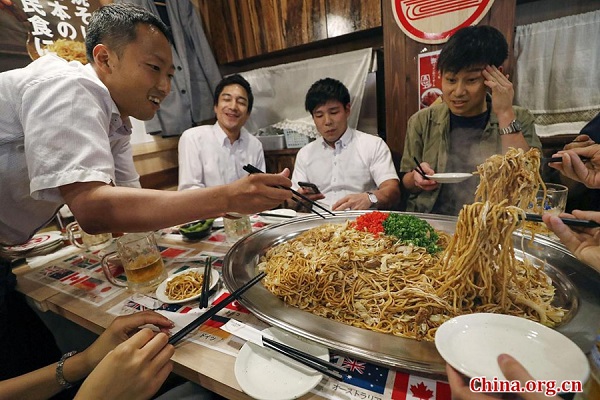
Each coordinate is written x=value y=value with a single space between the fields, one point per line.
x=377 y=283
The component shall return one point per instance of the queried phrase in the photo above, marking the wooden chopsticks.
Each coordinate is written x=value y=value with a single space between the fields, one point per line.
x=206 y=283
x=215 y=309
x=324 y=367
x=419 y=169
x=253 y=170
x=584 y=223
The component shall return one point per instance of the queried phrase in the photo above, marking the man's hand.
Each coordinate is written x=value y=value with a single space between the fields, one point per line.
x=119 y=331
x=418 y=181
x=259 y=192
x=584 y=243
x=503 y=92
x=572 y=167
x=135 y=369
x=357 y=201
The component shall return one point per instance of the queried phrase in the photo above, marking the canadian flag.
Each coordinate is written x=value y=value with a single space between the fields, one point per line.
x=412 y=387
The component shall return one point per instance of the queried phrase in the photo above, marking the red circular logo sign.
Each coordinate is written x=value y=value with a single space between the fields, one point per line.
x=434 y=21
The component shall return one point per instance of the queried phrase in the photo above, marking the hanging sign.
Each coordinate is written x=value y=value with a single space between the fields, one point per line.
x=434 y=21
x=430 y=83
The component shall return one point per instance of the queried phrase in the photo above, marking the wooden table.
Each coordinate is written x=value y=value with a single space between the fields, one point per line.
x=212 y=369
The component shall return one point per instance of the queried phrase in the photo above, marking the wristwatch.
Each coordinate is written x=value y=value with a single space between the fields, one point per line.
x=373 y=199
x=513 y=127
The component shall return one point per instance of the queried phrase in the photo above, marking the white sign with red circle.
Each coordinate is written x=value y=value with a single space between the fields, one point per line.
x=434 y=21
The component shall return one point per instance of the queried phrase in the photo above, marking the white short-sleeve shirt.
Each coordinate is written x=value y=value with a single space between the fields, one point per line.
x=58 y=125
x=359 y=163
x=207 y=157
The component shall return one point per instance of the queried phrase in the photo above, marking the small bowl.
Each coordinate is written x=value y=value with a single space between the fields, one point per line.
x=195 y=235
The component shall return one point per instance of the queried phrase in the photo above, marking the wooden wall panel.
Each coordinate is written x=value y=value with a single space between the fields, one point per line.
x=238 y=30
x=400 y=63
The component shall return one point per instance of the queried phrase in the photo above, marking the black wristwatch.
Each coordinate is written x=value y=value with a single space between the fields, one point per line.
x=513 y=127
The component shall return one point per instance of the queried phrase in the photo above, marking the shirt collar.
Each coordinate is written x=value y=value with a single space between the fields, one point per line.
x=118 y=125
x=224 y=139
x=343 y=141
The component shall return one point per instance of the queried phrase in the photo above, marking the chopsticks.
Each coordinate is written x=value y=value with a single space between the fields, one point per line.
x=215 y=309
x=266 y=214
x=253 y=170
x=419 y=169
x=567 y=221
x=559 y=159
x=324 y=367
x=206 y=283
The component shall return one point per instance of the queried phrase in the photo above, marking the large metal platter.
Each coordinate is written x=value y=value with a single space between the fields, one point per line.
x=577 y=290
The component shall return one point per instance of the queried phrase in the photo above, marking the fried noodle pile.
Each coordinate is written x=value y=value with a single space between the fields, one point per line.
x=372 y=281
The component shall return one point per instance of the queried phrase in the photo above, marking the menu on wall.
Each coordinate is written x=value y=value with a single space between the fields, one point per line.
x=48 y=22
x=430 y=82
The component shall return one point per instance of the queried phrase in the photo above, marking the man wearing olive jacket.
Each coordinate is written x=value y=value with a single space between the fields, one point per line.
x=471 y=124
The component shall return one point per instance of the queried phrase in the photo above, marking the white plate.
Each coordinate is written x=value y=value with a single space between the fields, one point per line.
x=471 y=344
x=160 y=290
x=284 y=212
x=267 y=375
x=40 y=240
x=450 y=177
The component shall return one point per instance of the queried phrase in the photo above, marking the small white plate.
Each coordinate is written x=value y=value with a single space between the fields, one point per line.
x=285 y=213
x=267 y=375
x=450 y=177
x=160 y=290
x=471 y=344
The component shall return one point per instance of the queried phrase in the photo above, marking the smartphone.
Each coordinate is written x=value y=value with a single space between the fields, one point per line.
x=311 y=187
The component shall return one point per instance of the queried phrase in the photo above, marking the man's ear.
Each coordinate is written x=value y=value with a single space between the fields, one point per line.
x=347 y=108
x=102 y=57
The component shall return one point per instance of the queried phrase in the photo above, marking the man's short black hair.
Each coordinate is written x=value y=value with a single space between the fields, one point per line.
x=235 y=79
x=473 y=46
x=325 y=90
x=116 y=26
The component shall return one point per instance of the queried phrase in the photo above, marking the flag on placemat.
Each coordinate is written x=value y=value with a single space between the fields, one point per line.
x=364 y=375
x=412 y=387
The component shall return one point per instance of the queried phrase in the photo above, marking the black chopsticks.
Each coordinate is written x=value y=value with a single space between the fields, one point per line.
x=266 y=214
x=215 y=309
x=559 y=159
x=253 y=170
x=324 y=367
x=419 y=169
x=584 y=223
x=206 y=283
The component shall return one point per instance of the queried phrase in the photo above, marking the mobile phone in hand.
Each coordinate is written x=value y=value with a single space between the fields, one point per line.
x=310 y=187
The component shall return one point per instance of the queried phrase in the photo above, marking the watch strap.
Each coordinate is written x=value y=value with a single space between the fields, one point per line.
x=513 y=127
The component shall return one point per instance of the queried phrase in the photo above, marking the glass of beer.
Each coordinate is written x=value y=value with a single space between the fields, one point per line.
x=140 y=259
x=80 y=238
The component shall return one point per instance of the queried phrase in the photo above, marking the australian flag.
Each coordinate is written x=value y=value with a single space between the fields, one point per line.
x=363 y=374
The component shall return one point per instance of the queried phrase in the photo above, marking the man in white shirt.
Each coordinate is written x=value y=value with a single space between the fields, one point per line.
x=352 y=169
x=212 y=155
x=64 y=139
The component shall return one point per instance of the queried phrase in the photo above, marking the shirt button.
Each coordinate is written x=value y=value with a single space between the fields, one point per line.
x=183 y=91
x=179 y=68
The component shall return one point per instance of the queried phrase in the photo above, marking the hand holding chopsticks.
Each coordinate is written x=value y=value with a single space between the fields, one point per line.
x=567 y=221
x=253 y=170
x=419 y=169
x=214 y=310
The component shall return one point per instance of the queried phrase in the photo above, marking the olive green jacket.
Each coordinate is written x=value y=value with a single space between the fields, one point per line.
x=427 y=140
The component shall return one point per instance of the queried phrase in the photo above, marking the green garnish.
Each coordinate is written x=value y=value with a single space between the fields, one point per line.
x=409 y=229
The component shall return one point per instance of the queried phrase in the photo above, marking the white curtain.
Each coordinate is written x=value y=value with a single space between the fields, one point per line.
x=557 y=74
x=279 y=91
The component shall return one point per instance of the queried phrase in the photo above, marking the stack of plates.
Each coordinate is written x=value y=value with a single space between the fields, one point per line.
x=41 y=243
